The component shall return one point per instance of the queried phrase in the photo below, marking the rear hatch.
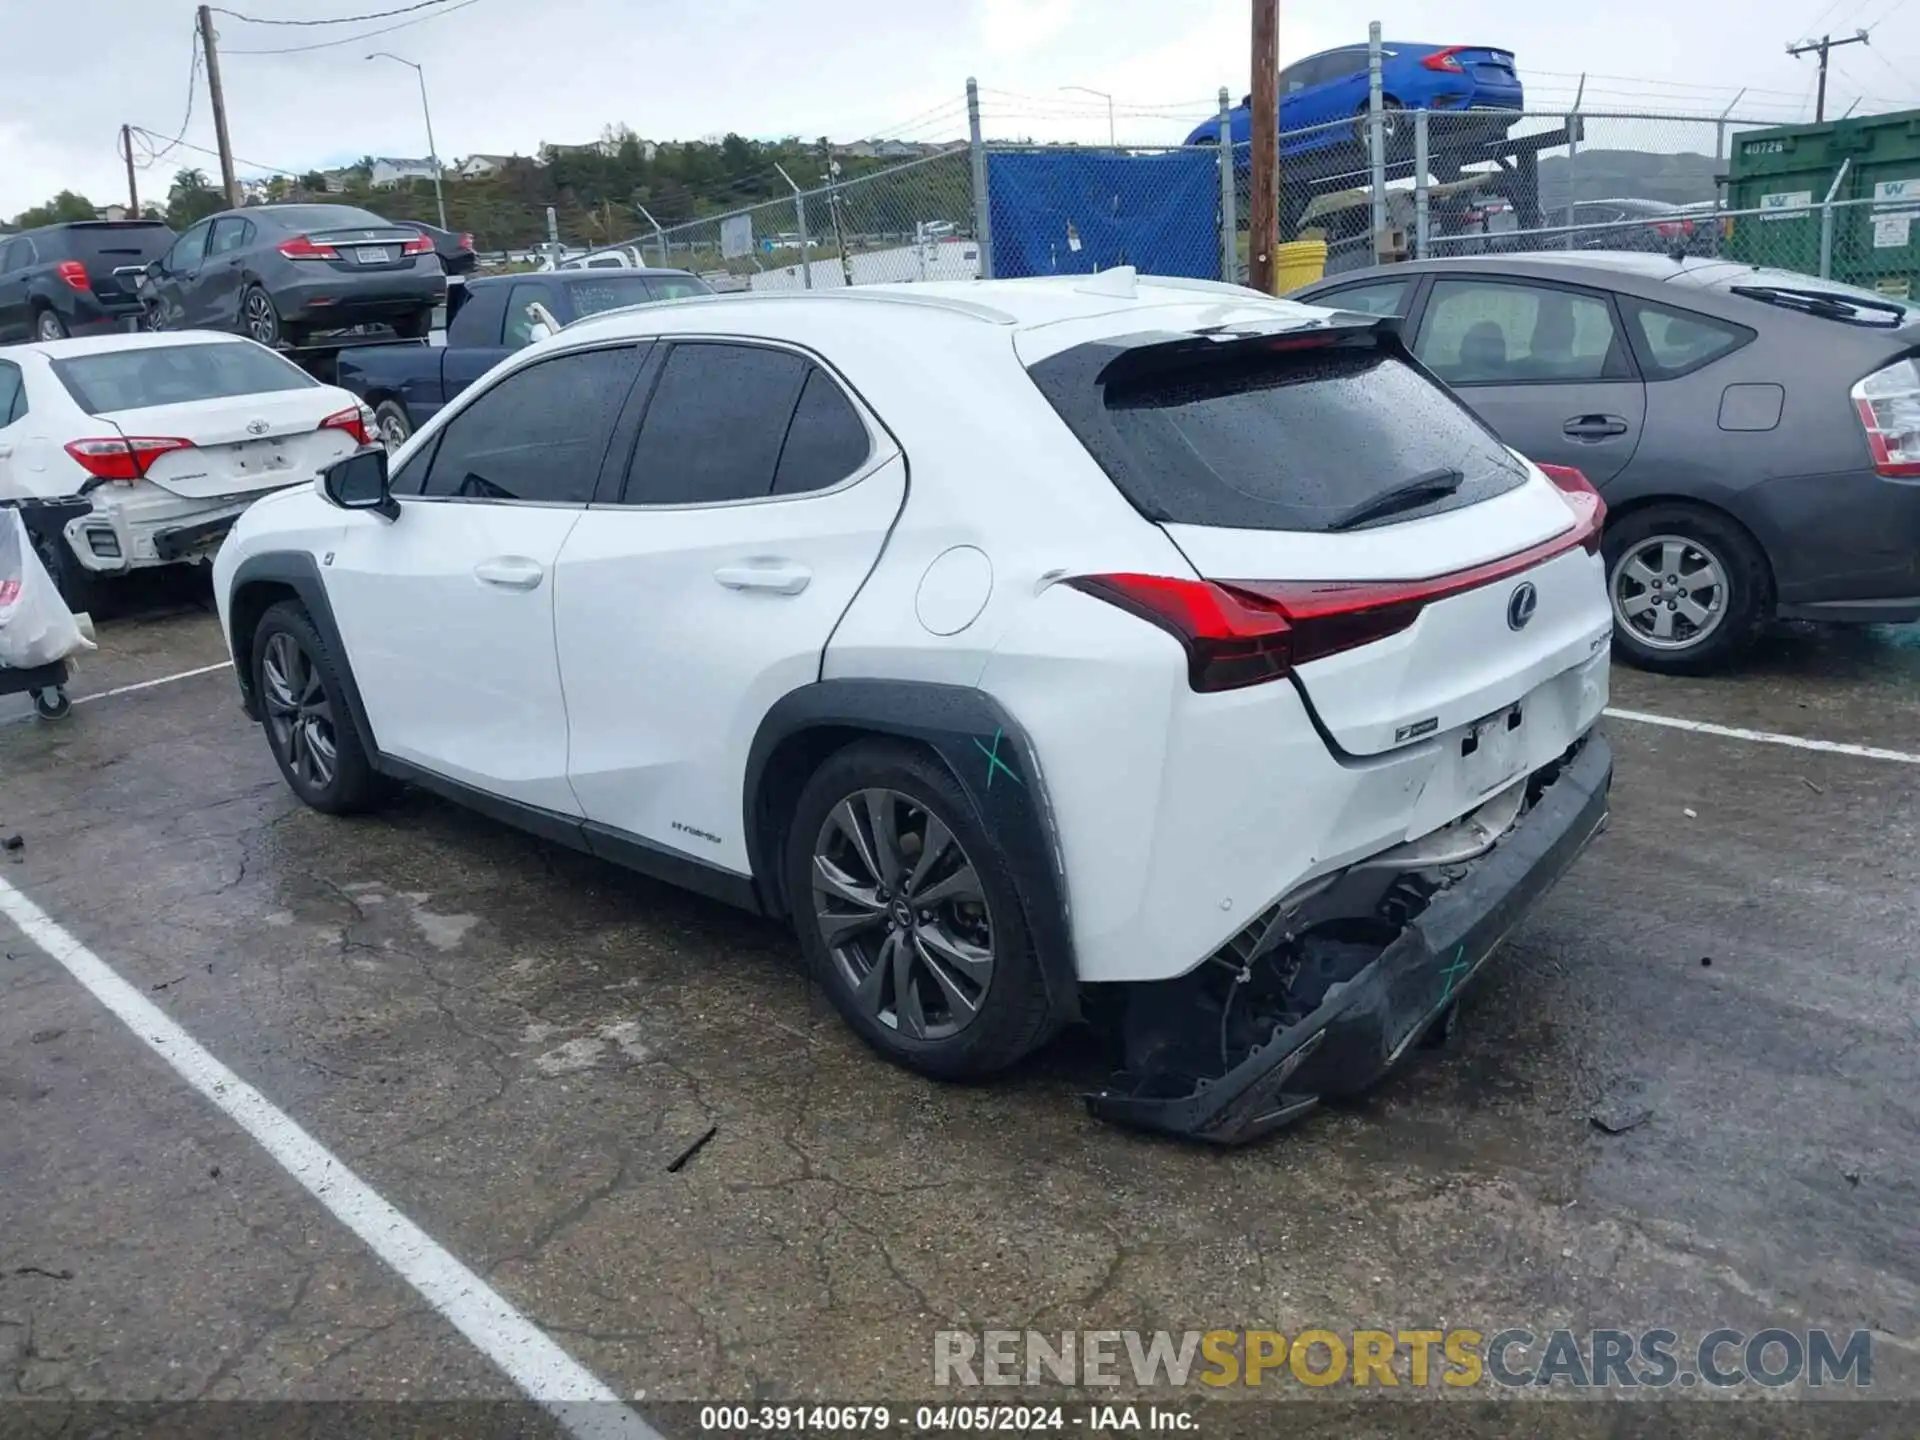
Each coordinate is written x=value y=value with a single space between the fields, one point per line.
x=1492 y=73
x=1366 y=535
x=107 y=246
x=209 y=421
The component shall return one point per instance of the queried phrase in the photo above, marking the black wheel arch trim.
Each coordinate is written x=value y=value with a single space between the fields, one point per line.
x=299 y=572
x=987 y=752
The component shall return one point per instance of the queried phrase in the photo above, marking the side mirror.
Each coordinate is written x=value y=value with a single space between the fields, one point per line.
x=359 y=482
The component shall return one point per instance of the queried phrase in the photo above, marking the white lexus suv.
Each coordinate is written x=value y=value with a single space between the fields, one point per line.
x=1140 y=651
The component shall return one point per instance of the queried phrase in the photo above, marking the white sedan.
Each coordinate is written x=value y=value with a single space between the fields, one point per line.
x=129 y=451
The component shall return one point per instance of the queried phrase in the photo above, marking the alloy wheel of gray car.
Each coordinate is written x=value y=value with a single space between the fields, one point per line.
x=391 y=422
x=901 y=910
x=49 y=326
x=1669 y=591
x=258 y=317
x=299 y=713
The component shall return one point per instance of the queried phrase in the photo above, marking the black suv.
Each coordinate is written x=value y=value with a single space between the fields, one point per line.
x=75 y=279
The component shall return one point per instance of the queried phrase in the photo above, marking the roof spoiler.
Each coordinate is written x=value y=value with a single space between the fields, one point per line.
x=1158 y=351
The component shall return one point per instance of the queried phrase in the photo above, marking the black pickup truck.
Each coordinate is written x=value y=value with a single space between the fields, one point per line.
x=407 y=383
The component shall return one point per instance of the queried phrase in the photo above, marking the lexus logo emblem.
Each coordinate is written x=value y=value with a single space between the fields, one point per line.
x=256 y=427
x=1521 y=605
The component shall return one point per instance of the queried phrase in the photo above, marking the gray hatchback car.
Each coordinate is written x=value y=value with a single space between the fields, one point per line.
x=1756 y=433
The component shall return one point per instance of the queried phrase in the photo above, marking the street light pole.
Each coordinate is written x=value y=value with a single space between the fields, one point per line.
x=433 y=153
x=1087 y=90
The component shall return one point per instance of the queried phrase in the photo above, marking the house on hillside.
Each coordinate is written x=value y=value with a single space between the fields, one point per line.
x=111 y=212
x=388 y=172
x=478 y=167
x=337 y=180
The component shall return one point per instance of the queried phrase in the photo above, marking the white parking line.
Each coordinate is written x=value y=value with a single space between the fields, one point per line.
x=582 y=1404
x=149 y=684
x=1765 y=737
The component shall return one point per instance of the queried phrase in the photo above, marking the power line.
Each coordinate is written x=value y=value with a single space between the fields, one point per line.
x=155 y=153
x=355 y=39
x=339 y=20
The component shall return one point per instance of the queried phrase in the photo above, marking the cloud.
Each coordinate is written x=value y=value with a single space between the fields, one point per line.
x=1019 y=27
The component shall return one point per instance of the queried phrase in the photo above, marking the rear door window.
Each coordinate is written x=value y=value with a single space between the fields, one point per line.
x=13 y=394
x=229 y=235
x=1273 y=441
x=715 y=425
x=826 y=439
x=1478 y=332
x=17 y=255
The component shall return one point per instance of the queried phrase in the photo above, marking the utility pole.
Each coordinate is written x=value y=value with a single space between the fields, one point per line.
x=219 y=96
x=1263 y=217
x=832 y=177
x=1821 y=47
x=133 y=190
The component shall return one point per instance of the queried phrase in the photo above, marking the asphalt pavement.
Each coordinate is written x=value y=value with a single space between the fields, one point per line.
x=621 y=1111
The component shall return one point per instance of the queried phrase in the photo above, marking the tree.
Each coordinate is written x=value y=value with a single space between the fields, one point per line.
x=61 y=208
x=314 y=181
x=192 y=199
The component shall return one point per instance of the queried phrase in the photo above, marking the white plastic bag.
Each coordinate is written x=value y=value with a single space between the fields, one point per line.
x=36 y=628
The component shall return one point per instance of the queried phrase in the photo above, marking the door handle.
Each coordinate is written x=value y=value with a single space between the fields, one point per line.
x=6 y=452
x=510 y=572
x=1594 y=427
x=776 y=578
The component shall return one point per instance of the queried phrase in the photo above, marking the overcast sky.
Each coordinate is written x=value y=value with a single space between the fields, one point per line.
x=505 y=75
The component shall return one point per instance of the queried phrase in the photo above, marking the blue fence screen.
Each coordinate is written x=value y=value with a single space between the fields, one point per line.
x=1066 y=212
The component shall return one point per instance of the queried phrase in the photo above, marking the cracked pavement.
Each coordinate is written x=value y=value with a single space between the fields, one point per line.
x=512 y=1043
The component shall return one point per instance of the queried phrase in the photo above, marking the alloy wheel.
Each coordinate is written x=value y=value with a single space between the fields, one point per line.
x=299 y=714
x=1669 y=592
x=262 y=323
x=393 y=432
x=901 y=910
x=48 y=326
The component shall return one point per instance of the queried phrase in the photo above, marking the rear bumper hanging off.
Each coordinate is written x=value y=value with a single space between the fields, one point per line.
x=1367 y=1023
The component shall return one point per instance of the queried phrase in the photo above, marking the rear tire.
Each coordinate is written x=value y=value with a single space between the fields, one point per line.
x=933 y=910
x=1692 y=573
x=416 y=326
x=47 y=325
x=390 y=420
x=259 y=317
x=308 y=725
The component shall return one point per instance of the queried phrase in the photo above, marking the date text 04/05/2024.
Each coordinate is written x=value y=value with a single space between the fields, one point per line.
x=939 y=1419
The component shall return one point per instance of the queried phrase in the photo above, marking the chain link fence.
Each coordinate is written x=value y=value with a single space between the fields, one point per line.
x=1395 y=185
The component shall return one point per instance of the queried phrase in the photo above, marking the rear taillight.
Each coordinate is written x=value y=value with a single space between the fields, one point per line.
x=1588 y=506
x=123 y=458
x=302 y=247
x=466 y=241
x=74 y=273
x=357 y=421
x=1243 y=632
x=1443 y=60
x=418 y=245
x=1888 y=403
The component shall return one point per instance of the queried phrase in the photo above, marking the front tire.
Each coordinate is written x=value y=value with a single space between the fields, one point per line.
x=304 y=708
x=908 y=915
x=1689 y=589
x=259 y=318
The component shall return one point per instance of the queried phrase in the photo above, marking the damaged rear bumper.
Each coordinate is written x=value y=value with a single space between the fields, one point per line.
x=1364 y=1025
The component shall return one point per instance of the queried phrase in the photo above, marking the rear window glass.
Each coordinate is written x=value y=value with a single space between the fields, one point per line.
x=1295 y=441
x=174 y=374
x=325 y=217
x=610 y=292
x=119 y=245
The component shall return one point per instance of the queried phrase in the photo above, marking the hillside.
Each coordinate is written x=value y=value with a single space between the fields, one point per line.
x=1616 y=174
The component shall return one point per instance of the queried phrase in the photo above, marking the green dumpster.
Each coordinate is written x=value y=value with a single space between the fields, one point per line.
x=1785 y=174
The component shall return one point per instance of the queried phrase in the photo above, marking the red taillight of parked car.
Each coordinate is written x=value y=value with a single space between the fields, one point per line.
x=1588 y=507
x=1245 y=632
x=128 y=457
x=74 y=273
x=1443 y=60
x=1888 y=404
x=466 y=240
x=418 y=245
x=356 y=422
x=302 y=247
x=1674 y=229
